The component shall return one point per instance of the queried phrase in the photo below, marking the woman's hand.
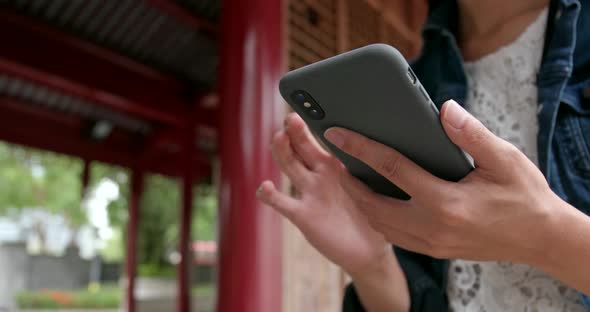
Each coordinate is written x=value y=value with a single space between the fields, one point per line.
x=502 y=210
x=331 y=221
x=323 y=211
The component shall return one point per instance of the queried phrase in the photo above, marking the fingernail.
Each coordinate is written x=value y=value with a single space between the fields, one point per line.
x=455 y=115
x=335 y=136
x=259 y=190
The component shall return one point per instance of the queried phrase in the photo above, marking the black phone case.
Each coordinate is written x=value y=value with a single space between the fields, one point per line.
x=370 y=91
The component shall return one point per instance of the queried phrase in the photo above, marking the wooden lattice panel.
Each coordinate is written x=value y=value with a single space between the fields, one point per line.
x=319 y=29
x=364 y=24
x=393 y=37
x=312 y=31
x=402 y=24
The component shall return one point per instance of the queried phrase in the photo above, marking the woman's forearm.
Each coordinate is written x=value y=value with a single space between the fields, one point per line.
x=383 y=288
x=567 y=248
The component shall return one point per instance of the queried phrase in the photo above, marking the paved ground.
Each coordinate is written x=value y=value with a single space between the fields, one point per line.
x=202 y=304
x=70 y=310
x=153 y=295
x=169 y=304
x=157 y=295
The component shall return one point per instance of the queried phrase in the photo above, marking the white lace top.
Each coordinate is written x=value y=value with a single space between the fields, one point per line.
x=503 y=95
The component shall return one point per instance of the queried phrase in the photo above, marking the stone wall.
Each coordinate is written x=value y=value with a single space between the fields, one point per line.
x=20 y=271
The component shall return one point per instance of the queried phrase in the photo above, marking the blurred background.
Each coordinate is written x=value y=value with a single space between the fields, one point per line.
x=133 y=135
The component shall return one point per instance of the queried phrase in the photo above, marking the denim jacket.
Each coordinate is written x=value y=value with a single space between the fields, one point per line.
x=563 y=114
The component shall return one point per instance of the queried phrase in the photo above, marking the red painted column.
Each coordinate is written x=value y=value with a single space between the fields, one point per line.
x=132 y=231
x=250 y=278
x=85 y=177
x=184 y=267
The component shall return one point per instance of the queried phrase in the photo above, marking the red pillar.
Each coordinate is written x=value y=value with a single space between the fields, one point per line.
x=250 y=276
x=132 y=231
x=184 y=267
x=85 y=177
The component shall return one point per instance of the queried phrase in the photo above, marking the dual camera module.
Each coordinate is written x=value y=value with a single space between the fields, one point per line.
x=307 y=105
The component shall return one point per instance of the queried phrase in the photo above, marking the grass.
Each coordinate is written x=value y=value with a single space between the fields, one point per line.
x=151 y=270
x=95 y=298
x=206 y=290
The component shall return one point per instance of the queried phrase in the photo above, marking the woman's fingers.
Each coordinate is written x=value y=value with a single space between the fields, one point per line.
x=402 y=239
x=303 y=142
x=282 y=203
x=396 y=213
x=388 y=162
x=360 y=193
x=368 y=199
x=288 y=161
x=472 y=136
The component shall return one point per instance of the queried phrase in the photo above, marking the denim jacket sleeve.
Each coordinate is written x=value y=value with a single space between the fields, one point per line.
x=586 y=301
x=426 y=279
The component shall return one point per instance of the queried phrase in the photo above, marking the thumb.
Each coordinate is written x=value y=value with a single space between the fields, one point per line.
x=471 y=135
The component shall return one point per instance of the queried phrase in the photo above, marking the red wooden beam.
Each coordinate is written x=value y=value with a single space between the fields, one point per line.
x=22 y=25
x=13 y=104
x=88 y=93
x=70 y=58
x=171 y=140
x=38 y=127
x=35 y=130
x=167 y=164
x=184 y=16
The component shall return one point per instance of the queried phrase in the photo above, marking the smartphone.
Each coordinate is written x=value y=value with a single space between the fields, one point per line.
x=373 y=91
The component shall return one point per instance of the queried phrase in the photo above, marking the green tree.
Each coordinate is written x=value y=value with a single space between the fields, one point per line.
x=204 y=224
x=158 y=219
x=34 y=178
x=159 y=216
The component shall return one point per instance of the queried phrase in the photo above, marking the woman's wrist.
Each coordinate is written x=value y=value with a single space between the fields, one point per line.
x=538 y=244
x=562 y=249
x=568 y=240
x=382 y=286
x=375 y=270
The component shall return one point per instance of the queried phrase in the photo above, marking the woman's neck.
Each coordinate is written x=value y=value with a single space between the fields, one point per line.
x=486 y=25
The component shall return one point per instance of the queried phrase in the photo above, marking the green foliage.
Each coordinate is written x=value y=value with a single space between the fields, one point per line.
x=34 y=178
x=158 y=219
x=58 y=190
x=204 y=223
x=105 y=298
x=156 y=270
x=203 y=290
x=14 y=173
x=160 y=207
x=114 y=248
x=109 y=297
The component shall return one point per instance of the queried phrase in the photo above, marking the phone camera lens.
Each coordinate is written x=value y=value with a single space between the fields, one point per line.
x=299 y=98
x=307 y=105
x=316 y=114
